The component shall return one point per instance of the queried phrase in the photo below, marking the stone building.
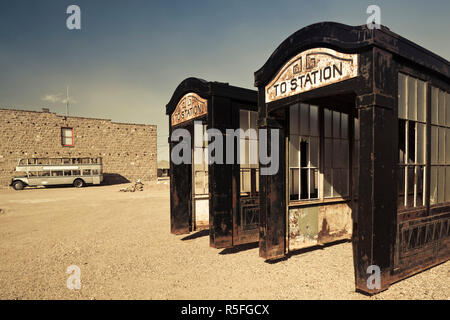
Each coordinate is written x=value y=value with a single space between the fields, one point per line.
x=128 y=150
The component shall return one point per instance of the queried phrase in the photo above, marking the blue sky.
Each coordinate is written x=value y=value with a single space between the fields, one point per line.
x=130 y=55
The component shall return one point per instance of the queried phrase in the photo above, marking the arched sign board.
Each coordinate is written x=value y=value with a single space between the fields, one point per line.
x=189 y=107
x=311 y=69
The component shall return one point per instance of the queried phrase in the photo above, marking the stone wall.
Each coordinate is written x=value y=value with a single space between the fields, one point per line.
x=128 y=150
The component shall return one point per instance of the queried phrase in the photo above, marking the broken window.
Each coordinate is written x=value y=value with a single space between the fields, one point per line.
x=304 y=152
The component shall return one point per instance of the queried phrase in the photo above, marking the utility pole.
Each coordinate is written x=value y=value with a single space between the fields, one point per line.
x=67 y=101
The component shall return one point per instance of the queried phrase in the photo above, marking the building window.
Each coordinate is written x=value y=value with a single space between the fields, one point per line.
x=336 y=151
x=248 y=152
x=304 y=152
x=412 y=101
x=67 y=137
x=306 y=173
x=440 y=147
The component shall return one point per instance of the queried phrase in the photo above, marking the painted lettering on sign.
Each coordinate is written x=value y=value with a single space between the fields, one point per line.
x=189 y=107
x=311 y=69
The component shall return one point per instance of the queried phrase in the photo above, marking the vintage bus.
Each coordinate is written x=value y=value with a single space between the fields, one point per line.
x=57 y=171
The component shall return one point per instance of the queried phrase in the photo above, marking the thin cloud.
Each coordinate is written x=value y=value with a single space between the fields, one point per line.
x=59 y=97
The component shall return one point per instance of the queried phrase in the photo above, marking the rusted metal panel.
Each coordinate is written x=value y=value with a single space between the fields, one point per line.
x=311 y=69
x=335 y=222
x=319 y=224
x=190 y=106
x=303 y=227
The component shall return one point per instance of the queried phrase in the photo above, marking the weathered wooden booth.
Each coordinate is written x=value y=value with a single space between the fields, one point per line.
x=220 y=196
x=364 y=140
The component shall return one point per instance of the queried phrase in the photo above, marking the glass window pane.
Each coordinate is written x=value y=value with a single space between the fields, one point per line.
x=447 y=147
x=327 y=183
x=434 y=145
x=401 y=186
x=434 y=105
x=293 y=151
x=304 y=119
x=410 y=199
x=344 y=126
x=344 y=153
x=253 y=153
x=294 y=184
x=254 y=120
x=243 y=120
x=336 y=124
x=433 y=185
x=293 y=119
x=447 y=102
x=314 y=152
x=447 y=185
x=313 y=183
x=314 y=120
x=411 y=142
x=419 y=186
x=421 y=101
x=441 y=184
x=441 y=116
x=337 y=154
x=442 y=145
x=412 y=111
x=421 y=131
x=337 y=182
x=328 y=152
x=327 y=122
x=401 y=96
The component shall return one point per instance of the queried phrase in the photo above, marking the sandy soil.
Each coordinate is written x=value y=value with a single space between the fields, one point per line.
x=122 y=245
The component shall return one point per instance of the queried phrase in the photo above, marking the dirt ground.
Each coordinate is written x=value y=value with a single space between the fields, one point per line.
x=122 y=244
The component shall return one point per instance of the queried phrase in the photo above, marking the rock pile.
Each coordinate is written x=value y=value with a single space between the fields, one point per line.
x=137 y=186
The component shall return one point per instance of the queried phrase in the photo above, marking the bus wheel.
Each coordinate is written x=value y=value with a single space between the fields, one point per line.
x=78 y=183
x=18 y=185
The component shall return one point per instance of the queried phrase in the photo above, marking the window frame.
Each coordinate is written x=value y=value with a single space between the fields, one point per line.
x=63 y=130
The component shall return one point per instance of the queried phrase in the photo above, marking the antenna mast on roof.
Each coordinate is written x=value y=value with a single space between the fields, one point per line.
x=67 y=101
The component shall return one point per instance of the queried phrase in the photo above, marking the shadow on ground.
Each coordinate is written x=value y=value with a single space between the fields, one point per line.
x=309 y=249
x=201 y=233
x=239 y=248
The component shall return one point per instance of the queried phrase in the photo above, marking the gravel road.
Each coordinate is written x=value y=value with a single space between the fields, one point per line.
x=122 y=244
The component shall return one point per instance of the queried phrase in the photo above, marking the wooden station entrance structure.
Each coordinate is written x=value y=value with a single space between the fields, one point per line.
x=221 y=197
x=364 y=122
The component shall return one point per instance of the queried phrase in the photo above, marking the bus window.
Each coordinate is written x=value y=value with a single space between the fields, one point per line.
x=86 y=172
x=44 y=173
x=67 y=172
x=95 y=172
x=32 y=174
x=57 y=173
x=76 y=172
x=66 y=160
